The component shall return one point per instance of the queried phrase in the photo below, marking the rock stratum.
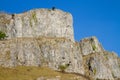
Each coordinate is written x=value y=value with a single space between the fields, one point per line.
x=44 y=37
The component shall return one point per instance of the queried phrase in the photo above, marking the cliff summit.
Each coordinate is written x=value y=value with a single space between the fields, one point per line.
x=38 y=22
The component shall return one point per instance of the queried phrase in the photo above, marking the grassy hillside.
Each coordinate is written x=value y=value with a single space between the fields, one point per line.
x=32 y=73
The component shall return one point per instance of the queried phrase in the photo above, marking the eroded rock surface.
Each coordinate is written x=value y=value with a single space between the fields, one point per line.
x=44 y=37
x=39 y=22
x=41 y=52
x=90 y=45
x=98 y=63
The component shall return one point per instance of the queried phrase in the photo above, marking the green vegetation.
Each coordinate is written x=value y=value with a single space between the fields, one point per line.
x=106 y=56
x=93 y=44
x=63 y=67
x=94 y=71
x=97 y=79
x=2 y=35
x=94 y=47
x=92 y=39
x=31 y=22
x=32 y=73
x=113 y=75
x=34 y=17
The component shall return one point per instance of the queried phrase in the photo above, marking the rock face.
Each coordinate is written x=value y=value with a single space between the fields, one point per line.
x=39 y=22
x=90 y=45
x=97 y=62
x=45 y=38
x=41 y=52
x=113 y=63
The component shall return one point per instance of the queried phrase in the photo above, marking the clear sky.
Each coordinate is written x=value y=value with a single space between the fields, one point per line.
x=100 y=18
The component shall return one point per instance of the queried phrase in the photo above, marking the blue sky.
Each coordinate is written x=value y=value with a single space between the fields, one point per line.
x=100 y=18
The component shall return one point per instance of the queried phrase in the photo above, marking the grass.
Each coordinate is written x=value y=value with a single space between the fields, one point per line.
x=31 y=73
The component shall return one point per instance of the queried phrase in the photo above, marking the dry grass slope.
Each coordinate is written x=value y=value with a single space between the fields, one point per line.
x=32 y=73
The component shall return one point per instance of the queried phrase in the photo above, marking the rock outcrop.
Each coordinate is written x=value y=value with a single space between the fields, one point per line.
x=36 y=23
x=50 y=52
x=45 y=38
x=97 y=62
x=90 y=45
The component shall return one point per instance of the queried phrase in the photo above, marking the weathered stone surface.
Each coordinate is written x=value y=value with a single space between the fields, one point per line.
x=53 y=52
x=119 y=61
x=95 y=66
x=50 y=52
x=113 y=63
x=39 y=22
x=90 y=45
x=44 y=37
x=98 y=63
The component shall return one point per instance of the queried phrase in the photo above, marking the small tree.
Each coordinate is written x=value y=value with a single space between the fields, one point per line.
x=63 y=67
x=53 y=8
x=2 y=35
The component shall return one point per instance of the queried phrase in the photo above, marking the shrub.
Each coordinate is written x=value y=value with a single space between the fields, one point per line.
x=2 y=35
x=63 y=67
x=53 y=8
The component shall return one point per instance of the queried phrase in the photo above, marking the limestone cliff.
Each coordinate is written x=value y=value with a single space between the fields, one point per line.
x=44 y=37
x=39 y=22
x=97 y=62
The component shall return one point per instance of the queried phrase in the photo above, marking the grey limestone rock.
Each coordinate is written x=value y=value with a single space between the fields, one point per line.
x=44 y=37
x=96 y=68
x=90 y=45
x=98 y=63
x=50 y=52
x=38 y=22
x=113 y=63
